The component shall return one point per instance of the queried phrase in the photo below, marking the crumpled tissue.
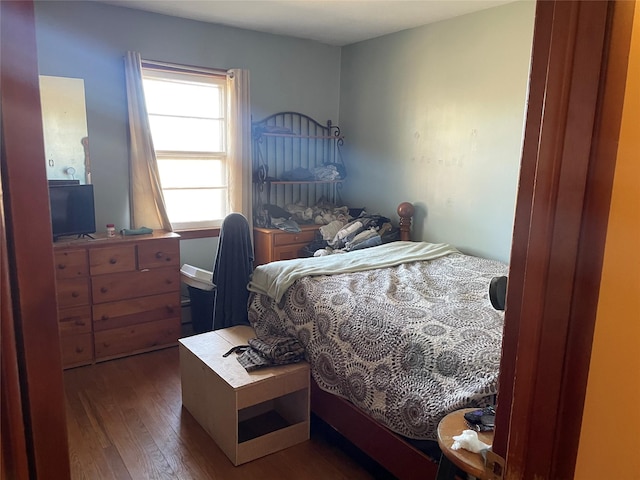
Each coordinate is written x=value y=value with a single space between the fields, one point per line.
x=469 y=440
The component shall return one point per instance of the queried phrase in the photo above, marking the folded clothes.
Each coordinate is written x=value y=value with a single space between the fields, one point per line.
x=269 y=351
x=298 y=174
x=277 y=349
x=326 y=173
x=330 y=230
x=286 y=225
x=372 y=241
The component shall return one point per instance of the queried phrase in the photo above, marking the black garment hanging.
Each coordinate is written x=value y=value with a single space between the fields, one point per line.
x=231 y=272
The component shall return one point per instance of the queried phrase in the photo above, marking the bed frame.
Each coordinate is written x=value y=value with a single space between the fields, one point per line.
x=388 y=449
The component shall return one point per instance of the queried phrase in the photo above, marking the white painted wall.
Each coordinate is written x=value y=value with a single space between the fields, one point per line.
x=434 y=115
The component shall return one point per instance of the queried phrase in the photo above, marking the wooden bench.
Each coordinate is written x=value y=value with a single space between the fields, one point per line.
x=248 y=414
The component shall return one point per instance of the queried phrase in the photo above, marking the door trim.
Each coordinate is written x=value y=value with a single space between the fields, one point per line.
x=576 y=93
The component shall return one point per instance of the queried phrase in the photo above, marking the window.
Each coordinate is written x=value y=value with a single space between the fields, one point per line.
x=187 y=117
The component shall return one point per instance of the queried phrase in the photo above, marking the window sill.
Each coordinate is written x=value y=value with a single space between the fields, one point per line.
x=198 y=233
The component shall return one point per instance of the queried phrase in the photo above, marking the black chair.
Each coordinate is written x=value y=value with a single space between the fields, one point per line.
x=231 y=272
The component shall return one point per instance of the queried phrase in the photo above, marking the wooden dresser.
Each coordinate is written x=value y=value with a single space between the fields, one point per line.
x=117 y=296
x=271 y=244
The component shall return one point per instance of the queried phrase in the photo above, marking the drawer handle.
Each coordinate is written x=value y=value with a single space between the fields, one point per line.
x=79 y=349
x=159 y=254
x=61 y=266
x=80 y=323
x=113 y=261
x=104 y=289
x=170 y=308
x=75 y=294
x=104 y=317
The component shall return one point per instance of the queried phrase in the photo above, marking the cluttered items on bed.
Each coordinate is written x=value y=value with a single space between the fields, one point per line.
x=342 y=229
x=361 y=232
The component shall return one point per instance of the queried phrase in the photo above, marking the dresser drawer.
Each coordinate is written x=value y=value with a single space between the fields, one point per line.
x=72 y=292
x=76 y=350
x=74 y=320
x=160 y=253
x=304 y=237
x=71 y=264
x=136 y=338
x=117 y=296
x=121 y=286
x=112 y=259
x=137 y=310
x=287 y=252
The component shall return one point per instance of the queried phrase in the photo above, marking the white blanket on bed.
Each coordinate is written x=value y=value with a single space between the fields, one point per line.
x=273 y=279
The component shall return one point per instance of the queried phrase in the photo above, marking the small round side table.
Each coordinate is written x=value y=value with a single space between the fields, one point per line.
x=472 y=463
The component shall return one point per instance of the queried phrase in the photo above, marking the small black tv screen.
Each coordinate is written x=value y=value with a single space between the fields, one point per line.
x=72 y=210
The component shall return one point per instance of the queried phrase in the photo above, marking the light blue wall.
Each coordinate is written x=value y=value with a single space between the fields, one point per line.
x=434 y=115
x=88 y=40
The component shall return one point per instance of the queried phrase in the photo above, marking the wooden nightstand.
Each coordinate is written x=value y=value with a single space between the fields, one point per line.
x=272 y=244
x=471 y=463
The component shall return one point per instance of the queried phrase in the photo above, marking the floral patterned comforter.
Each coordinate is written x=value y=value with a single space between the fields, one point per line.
x=406 y=344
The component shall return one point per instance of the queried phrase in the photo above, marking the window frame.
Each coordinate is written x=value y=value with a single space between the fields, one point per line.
x=186 y=74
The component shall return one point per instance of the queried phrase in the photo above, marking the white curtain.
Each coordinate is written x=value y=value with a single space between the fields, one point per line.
x=146 y=200
x=239 y=142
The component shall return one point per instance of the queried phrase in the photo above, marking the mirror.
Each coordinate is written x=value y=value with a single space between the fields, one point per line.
x=64 y=123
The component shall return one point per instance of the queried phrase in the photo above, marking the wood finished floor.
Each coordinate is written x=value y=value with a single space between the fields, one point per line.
x=125 y=421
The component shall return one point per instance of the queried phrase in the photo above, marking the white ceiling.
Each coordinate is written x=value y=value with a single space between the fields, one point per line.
x=334 y=22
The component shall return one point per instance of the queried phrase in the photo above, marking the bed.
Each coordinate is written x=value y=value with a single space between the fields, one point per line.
x=397 y=336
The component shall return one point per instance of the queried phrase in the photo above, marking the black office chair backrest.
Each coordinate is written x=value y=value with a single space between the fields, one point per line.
x=231 y=272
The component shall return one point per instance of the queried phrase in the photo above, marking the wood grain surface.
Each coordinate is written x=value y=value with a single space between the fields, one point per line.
x=125 y=420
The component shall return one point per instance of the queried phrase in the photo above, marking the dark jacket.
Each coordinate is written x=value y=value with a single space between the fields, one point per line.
x=231 y=272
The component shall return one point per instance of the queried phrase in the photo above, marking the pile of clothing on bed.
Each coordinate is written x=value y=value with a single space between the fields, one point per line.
x=293 y=215
x=343 y=229
x=322 y=213
x=341 y=236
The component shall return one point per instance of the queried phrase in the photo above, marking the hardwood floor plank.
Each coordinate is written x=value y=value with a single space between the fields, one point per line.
x=131 y=450
x=85 y=416
x=91 y=457
x=126 y=421
x=160 y=417
x=80 y=452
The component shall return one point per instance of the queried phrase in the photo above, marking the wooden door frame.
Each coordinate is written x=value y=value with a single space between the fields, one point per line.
x=556 y=259
x=28 y=273
x=578 y=73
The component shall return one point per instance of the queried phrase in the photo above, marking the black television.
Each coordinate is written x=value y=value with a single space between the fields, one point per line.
x=72 y=210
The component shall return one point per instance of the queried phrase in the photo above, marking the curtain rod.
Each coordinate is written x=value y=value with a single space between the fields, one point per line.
x=183 y=68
